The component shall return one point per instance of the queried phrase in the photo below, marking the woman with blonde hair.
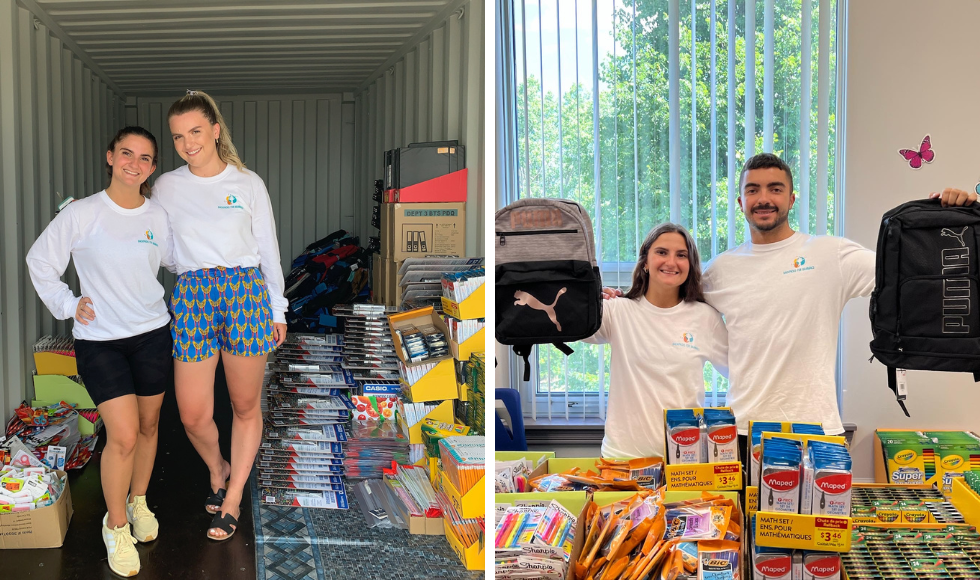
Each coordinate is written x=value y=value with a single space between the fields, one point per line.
x=661 y=335
x=228 y=301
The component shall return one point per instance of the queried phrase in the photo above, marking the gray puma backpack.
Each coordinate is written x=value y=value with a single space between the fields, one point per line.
x=548 y=287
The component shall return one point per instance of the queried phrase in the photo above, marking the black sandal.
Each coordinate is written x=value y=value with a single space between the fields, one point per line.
x=216 y=498
x=223 y=522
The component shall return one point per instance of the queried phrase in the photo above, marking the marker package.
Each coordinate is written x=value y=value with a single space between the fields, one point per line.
x=781 y=474
x=683 y=437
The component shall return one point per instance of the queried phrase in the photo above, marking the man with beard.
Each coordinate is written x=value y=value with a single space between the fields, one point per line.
x=782 y=294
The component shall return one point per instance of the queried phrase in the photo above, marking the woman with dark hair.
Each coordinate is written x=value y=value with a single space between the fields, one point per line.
x=661 y=336
x=228 y=301
x=118 y=239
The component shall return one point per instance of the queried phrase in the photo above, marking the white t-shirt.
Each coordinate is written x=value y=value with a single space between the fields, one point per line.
x=782 y=304
x=118 y=253
x=658 y=357
x=223 y=221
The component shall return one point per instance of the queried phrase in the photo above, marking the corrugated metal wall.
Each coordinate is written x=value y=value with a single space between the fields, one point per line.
x=435 y=92
x=56 y=117
x=302 y=146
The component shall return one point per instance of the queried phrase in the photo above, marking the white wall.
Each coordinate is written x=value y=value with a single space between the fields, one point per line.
x=434 y=92
x=911 y=70
x=56 y=118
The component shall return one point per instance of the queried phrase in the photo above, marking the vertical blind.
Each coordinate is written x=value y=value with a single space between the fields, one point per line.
x=644 y=111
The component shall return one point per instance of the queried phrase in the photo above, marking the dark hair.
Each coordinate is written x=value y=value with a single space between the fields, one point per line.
x=204 y=104
x=765 y=161
x=690 y=290
x=122 y=134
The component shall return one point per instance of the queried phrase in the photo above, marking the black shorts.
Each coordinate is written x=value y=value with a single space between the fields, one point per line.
x=140 y=365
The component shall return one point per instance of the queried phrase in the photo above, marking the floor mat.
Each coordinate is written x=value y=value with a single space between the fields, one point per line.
x=323 y=544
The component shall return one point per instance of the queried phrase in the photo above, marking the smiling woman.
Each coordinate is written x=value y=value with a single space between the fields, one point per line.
x=226 y=249
x=118 y=240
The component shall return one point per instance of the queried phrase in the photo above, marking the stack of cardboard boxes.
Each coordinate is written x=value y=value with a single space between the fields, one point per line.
x=422 y=211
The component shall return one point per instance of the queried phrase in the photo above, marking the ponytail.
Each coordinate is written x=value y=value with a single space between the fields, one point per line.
x=202 y=102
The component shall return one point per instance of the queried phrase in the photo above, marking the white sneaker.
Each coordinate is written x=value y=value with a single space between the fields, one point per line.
x=145 y=525
x=119 y=543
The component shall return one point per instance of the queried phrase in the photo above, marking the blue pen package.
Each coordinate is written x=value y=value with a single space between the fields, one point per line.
x=781 y=476
x=683 y=437
x=721 y=436
x=758 y=428
x=719 y=560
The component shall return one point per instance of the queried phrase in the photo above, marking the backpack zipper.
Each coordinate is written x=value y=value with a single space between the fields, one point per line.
x=503 y=235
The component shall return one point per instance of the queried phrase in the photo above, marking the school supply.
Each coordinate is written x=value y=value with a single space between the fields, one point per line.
x=826 y=480
x=463 y=460
x=548 y=287
x=684 y=437
x=925 y=308
x=781 y=474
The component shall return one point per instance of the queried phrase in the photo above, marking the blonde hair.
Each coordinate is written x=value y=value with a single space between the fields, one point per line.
x=202 y=102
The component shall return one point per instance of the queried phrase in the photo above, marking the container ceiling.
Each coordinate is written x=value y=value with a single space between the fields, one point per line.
x=240 y=46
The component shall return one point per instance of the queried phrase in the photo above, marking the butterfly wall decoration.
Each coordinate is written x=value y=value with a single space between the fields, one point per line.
x=916 y=157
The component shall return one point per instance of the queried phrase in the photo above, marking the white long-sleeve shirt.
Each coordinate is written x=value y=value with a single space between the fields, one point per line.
x=782 y=303
x=658 y=357
x=118 y=253
x=223 y=221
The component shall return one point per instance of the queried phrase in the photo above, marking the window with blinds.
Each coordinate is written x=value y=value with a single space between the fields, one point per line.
x=644 y=111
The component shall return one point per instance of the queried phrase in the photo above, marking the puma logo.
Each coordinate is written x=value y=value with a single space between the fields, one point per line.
x=951 y=234
x=525 y=299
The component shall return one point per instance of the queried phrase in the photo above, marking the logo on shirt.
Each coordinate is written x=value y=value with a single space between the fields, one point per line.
x=688 y=341
x=798 y=265
x=231 y=202
x=149 y=238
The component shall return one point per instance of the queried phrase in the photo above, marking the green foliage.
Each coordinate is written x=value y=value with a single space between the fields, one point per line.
x=557 y=149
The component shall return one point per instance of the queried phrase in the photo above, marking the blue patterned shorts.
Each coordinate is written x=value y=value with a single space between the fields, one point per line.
x=221 y=308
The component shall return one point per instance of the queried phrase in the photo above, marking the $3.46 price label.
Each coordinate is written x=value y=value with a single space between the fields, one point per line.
x=728 y=476
x=831 y=534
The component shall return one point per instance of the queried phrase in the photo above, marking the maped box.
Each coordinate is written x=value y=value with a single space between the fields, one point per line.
x=38 y=528
x=439 y=383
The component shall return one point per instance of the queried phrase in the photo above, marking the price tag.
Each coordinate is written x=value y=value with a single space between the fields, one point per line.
x=831 y=534
x=728 y=476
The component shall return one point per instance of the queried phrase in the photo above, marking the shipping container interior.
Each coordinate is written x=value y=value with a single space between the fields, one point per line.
x=314 y=93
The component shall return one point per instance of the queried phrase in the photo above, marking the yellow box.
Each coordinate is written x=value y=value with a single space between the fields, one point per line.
x=475 y=343
x=473 y=557
x=966 y=501
x=751 y=499
x=475 y=305
x=704 y=476
x=805 y=439
x=415 y=317
x=442 y=413
x=52 y=363
x=803 y=532
x=436 y=385
x=61 y=388
x=472 y=503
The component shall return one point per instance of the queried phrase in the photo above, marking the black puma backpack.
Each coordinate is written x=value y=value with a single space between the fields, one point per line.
x=925 y=308
x=548 y=287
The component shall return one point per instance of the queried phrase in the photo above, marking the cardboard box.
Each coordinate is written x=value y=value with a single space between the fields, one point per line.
x=378 y=287
x=473 y=557
x=40 y=528
x=473 y=307
x=417 y=317
x=475 y=343
x=52 y=363
x=426 y=526
x=436 y=385
x=416 y=230
x=469 y=505
x=449 y=188
x=443 y=413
